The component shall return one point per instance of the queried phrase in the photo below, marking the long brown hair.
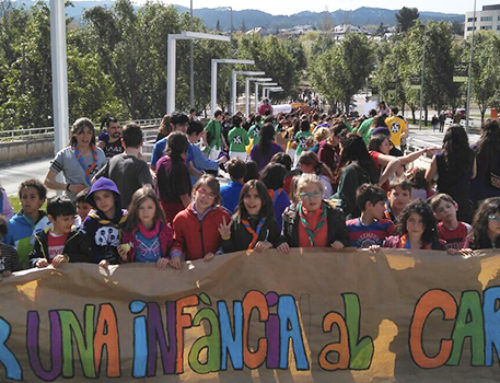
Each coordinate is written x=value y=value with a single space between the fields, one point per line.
x=311 y=158
x=77 y=128
x=138 y=198
x=266 y=209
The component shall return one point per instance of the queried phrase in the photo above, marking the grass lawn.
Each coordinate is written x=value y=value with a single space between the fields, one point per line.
x=16 y=204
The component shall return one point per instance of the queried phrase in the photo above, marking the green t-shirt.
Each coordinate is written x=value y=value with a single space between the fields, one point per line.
x=214 y=130
x=364 y=130
x=301 y=138
x=238 y=139
x=254 y=132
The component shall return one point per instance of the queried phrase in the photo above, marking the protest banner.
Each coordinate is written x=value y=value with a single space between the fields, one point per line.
x=311 y=316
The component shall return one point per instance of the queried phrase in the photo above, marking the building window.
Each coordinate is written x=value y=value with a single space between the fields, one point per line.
x=487 y=18
x=486 y=28
x=498 y=27
x=498 y=18
x=471 y=28
x=471 y=19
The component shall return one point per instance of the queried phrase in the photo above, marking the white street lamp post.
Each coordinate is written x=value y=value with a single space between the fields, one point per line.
x=213 y=85
x=172 y=39
x=234 y=95
x=247 y=91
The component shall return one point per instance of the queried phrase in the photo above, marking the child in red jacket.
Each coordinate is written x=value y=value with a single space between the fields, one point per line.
x=196 y=228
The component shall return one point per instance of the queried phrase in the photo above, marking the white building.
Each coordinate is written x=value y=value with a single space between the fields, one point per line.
x=486 y=20
x=340 y=31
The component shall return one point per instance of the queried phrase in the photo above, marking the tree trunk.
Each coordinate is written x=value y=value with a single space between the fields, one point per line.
x=426 y=115
x=483 y=111
x=413 y=109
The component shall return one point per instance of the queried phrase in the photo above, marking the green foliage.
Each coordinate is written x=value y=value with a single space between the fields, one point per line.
x=406 y=18
x=342 y=70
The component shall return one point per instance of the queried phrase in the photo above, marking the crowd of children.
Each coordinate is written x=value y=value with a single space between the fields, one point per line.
x=292 y=181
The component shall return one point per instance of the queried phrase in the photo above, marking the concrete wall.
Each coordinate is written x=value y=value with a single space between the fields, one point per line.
x=13 y=152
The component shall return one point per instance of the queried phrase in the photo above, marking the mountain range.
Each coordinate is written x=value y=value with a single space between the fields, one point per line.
x=250 y=18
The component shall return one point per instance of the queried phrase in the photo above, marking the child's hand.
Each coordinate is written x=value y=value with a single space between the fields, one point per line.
x=374 y=248
x=225 y=229
x=59 y=260
x=467 y=252
x=104 y=263
x=123 y=250
x=162 y=263
x=6 y=273
x=337 y=245
x=284 y=248
x=175 y=262
x=262 y=246
x=208 y=257
x=41 y=263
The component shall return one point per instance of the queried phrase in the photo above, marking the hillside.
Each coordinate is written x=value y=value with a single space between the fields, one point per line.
x=253 y=18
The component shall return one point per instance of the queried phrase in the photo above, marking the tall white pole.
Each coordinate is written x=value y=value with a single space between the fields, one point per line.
x=213 y=86
x=234 y=96
x=191 y=57
x=469 y=81
x=171 y=73
x=247 y=96
x=59 y=74
x=256 y=97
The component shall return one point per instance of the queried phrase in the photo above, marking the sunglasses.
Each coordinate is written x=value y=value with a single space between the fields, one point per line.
x=494 y=218
x=311 y=195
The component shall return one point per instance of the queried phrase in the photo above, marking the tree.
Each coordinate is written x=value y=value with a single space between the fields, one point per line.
x=243 y=25
x=486 y=71
x=217 y=26
x=380 y=30
x=457 y=28
x=342 y=70
x=326 y=22
x=406 y=18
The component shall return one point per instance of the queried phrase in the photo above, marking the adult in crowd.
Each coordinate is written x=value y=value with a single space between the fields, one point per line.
x=455 y=167
x=164 y=129
x=397 y=127
x=266 y=148
x=356 y=168
x=78 y=162
x=178 y=123
x=215 y=138
x=487 y=151
x=126 y=170
x=265 y=106
x=110 y=139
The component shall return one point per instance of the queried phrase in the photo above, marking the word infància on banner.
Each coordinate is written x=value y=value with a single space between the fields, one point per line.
x=229 y=334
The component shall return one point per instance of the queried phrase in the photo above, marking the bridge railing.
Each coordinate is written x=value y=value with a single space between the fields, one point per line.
x=48 y=132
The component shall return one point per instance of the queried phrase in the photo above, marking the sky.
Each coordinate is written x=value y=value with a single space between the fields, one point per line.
x=282 y=7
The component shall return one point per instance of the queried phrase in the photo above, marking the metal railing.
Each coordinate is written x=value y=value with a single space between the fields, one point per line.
x=48 y=132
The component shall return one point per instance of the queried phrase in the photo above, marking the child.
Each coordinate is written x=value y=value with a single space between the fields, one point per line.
x=310 y=164
x=61 y=243
x=146 y=236
x=417 y=229
x=486 y=225
x=285 y=160
x=82 y=207
x=174 y=183
x=238 y=140
x=253 y=226
x=420 y=187
x=254 y=131
x=30 y=220
x=301 y=138
x=273 y=177
x=103 y=224
x=371 y=228
x=312 y=222
x=450 y=230
x=196 y=228
x=251 y=172
x=230 y=193
x=9 y=260
x=398 y=196
x=215 y=138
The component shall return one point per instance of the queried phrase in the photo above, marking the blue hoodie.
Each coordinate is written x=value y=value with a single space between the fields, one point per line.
x=21 y=234
x=104 y=233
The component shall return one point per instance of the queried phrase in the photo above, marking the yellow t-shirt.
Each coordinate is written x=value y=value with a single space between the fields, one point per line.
x=396 y=127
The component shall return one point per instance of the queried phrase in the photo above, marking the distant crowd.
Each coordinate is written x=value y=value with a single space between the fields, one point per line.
x=254 y=183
